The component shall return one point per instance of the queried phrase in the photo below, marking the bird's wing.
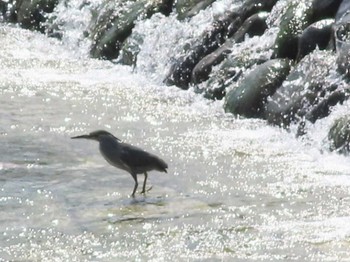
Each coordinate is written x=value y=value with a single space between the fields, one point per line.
x=138 y=159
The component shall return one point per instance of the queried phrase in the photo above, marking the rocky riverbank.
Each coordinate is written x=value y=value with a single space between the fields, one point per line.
x=291 y=81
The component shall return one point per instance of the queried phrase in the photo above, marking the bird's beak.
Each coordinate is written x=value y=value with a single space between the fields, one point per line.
x=82 y=136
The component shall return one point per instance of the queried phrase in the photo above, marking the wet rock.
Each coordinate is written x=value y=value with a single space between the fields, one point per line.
x=339 y=135
x=323 y=9
x=299 y=15
x=180 y=72
x=296 y=18
x=342 y=38
x=342 y=11
x=189 y=8
x=316 y=35
x=254 y=25
x=249 y=97
x=30 y=14
x=227 y=73
x=113 y=24
x=130 y=49
x=305 y=94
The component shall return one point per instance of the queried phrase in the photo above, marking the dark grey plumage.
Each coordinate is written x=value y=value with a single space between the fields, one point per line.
x=126 y=157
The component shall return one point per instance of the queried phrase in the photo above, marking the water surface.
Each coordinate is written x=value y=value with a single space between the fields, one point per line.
x=236 y=188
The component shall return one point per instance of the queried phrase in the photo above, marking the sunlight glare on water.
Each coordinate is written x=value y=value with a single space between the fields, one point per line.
x=235 y=189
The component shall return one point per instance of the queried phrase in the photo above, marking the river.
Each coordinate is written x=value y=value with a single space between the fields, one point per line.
x=236 y=189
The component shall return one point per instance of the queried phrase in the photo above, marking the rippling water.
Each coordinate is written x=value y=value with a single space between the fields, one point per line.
x=236 y=189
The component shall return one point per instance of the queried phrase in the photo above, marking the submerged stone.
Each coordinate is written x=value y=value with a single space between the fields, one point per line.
x=249 y=97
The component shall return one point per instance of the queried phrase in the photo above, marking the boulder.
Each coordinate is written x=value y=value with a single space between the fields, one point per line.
x=181 y=71
x=339 y=135
x=130 y=49
x=299 y=15
x=295 y=19
x=189 y=8
x=227 y=73
x=342 y=38
x=112 y=25
x=305 y=94
x=249 y=97
x=316 y=35
x=323 y=9
x=30 y=14
x=342 y=11
x=254 y=25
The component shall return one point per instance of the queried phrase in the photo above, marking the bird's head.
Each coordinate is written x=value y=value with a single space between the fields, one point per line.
x=96 y=135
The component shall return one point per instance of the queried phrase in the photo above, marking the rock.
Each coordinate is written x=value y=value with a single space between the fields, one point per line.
x=296 y=18
x=189 y=8
x=130 y=49
x=339 y=135
x=227 y=73
x=316 y=35
x=342 y=11
x=180 y=72
x=323 y=9
x=249 y=97
x=305 y=94
x=342 y=38
x=111 y=28
x=299 y=15
x=30 y=14
x=254 y=25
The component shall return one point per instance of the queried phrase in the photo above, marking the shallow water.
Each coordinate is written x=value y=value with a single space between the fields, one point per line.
x=236 y=188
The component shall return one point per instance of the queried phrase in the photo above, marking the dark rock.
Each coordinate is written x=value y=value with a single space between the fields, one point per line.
x=339 y=135
x=30 y=14
x=249 y=97
x=180 y=72
x=228 y=72
x=189 y=8
x=202 y=70
x=215 y=88
x=254 y=25
x=111 y=29
x=342 y=11
x=296 y=18
x=305 y=94
x=342 y=38
x=324 y=103
x=316 y=35
x=323 y=9
x=130 y=49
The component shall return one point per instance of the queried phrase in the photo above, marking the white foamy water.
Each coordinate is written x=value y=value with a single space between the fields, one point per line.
x=236 y=189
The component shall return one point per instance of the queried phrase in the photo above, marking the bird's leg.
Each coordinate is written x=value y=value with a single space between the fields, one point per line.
x=134 y=176
x=144 y=184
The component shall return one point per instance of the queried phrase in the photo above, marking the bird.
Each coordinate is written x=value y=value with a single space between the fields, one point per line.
x=127 y=157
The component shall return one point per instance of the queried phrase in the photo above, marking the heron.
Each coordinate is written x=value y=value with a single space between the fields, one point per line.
x=127 y=157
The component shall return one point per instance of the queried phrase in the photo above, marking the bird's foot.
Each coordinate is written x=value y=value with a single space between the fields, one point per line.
x=144 y=191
